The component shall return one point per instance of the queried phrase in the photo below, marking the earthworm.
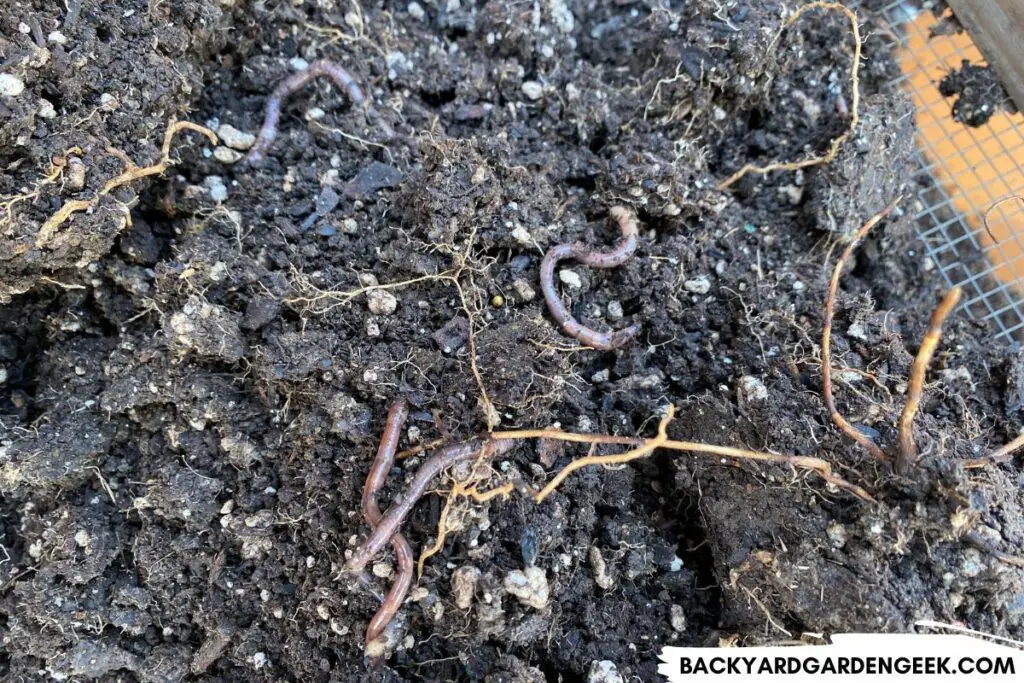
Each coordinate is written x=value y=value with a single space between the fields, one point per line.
x=602 y=341
x=371 y=512
x=392 y=520
x=321 y=67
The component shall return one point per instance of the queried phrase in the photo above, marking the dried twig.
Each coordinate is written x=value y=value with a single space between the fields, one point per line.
x=826 y=336
x=833 y=149
x=908 y=449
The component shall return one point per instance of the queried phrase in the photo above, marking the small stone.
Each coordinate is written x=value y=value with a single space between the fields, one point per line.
x=416 y=11
x=108 y=103
x=533 y=90
x=604 y=671
x=298 y=64
x=382 y=570
x=698 y=285
x=57 y=37
x=315 y=114
x=372 y=329
x=226 y=155
x=857 y=331
x=677 y=618
x=464 y=581
x=529 y=586
x=349 y=226
x=524 y=290
x=798 y=286
x=218 y=190
x=234 y=138
x=615 y=311
x=836 y=535
x=381 y=302
x=601 y=376
x=498 y=301
x=753 y=389
x=45 y=109
x=3 y=375
x=971 y=565
x=597 y=563
x=521 y=235
x=570 y=278
x=793 y=193
x=11 y=85
x=479 y=175
x=75 y=174
x=82 y=539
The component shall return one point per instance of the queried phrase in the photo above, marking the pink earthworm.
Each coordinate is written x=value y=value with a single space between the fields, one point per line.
x=321 y=67
x=382 y=464
x=392 y=520
x=602 y=341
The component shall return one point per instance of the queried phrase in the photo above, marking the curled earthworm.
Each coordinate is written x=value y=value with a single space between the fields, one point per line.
x=371 y=512
x=321 y=67
x=389 y=524
x=602 y=341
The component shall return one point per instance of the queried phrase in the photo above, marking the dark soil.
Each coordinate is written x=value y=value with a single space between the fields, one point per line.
x=189 y=405
x=978 y=92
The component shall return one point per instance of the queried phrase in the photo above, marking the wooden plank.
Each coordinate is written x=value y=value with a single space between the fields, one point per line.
x=997 y=28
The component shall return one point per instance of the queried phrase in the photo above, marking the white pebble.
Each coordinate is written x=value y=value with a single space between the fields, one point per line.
x=464 y=581
x=524 y=290
x=234 y=138
x=57 y=37
x=315 y=114
x=521 y=235
x=298 y=63
x=570 y=279
x=533 y=90
x=381 y=302
x=108 y=102
x=46 y=110
x=677 y=617
x=615 y=311
x=226 y=155
x=218 y=190
x=530 y=586
x=416 y=11
x=698 y=285
x=753 y=389
x=11 y=85
x=604 y=672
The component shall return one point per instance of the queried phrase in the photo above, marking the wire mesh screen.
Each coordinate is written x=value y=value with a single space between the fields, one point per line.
x=969 y=210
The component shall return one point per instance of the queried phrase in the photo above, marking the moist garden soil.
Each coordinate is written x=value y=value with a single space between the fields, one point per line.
x=191 y=395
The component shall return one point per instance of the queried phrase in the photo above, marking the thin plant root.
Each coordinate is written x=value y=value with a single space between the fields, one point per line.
x=459 y=489
x=821 y=467
x=133 y=172
x=997 y=455
x=298 y=80
x=981 y=544
x=854 y=109
x=617 y=459
x=826 y=335
x=602 y=341
x=52 y=223
x=908 y=449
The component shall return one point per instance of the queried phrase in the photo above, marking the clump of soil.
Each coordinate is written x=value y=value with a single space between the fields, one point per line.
x=189 y=404
x=978 y=92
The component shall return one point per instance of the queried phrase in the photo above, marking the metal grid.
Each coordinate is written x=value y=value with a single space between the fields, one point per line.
x=968 y=212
